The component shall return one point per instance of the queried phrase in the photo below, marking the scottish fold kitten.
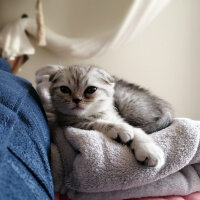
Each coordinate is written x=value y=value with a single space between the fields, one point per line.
x=85 y=97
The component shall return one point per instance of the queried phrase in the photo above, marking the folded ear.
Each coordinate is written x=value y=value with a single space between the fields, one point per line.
x=47 y=72
x=106 y=77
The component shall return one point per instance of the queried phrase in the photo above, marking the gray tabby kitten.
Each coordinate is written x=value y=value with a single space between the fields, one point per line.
x=85 y=97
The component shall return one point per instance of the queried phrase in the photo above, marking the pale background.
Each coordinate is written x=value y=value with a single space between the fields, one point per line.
x=164 y=58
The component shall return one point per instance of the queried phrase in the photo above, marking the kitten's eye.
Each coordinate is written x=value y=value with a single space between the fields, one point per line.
x=90 y=89
x=65 y=89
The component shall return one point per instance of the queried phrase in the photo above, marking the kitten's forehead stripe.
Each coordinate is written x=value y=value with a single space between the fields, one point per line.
x=74 y=75
x=69 y=81
x=77 y=80
x=57 y=77
x=73 y=78
x=80 y=76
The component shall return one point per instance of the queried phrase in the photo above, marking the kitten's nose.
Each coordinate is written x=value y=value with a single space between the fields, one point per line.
x=76 y=100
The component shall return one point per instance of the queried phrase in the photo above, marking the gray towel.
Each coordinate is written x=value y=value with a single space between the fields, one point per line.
x=89 y=166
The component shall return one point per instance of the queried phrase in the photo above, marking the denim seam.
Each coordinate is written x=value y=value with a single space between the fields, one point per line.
x=16 y=107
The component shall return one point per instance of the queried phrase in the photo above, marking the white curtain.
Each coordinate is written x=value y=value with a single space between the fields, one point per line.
x=14 y=42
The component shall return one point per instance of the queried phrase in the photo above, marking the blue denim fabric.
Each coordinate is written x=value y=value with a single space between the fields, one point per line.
x=24 y=141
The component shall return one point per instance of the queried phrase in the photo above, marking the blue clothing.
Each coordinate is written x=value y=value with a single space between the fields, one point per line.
x=24 y=141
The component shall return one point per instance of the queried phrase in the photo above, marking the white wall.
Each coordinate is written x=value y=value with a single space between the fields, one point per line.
x=164 y=58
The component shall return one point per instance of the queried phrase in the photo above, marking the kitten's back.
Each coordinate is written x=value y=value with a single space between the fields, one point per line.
x=140 y=108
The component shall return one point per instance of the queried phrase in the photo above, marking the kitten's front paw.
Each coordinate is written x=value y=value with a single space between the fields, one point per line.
x=124 y=133
x=149 y=153
x=112 y=133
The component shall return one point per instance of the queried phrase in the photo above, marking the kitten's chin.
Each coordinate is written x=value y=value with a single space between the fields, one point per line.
x=72 y=112
x=78 y=111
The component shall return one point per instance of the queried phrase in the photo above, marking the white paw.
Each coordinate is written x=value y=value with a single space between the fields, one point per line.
x=149 y=153
x=112 y=133
x=124 y=132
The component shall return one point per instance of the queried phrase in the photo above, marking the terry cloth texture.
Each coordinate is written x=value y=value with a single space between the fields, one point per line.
x=91 y=166
x=193 y=196
x=24 y=141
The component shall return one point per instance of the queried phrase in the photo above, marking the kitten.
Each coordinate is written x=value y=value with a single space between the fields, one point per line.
x=83 y=97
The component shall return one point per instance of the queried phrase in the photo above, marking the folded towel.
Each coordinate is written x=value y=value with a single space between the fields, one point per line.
x=88 y=165
x=192 y=196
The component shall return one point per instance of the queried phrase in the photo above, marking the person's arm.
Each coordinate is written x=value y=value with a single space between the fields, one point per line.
x=17 y=63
